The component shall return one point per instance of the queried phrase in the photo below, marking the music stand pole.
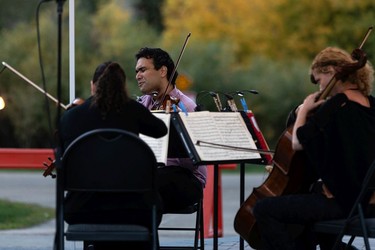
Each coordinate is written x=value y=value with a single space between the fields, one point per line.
x=59 y=238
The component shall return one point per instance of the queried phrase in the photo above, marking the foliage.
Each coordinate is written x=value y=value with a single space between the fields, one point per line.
x=279 y=29
x=126 y=35
x=283 y=85
x=20 y=107
x=265 y=45
x=10 y=16
x=107 y=35
x=150 y=11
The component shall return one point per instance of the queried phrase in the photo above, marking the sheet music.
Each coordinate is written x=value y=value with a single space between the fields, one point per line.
x=225 y=128
x=159 y=145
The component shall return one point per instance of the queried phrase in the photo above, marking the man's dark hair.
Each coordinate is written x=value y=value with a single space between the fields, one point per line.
x=160 y=58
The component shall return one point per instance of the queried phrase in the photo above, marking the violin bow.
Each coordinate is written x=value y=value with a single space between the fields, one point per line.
x=34 y=85
x=175 y=69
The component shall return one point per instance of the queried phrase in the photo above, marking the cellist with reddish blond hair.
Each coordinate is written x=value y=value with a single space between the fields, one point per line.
x=337 y=135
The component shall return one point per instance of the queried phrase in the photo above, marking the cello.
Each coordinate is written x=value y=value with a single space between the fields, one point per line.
x=288 y=175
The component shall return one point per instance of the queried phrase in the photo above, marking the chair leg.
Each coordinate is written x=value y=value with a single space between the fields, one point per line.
x=88 y=246
x=201 y=227
x=350 y=242
x=197 y=227
x=155 y=233
x=363 y=225
x=198 y=231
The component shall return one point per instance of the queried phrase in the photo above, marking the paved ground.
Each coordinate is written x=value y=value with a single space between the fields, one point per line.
x=34 y=188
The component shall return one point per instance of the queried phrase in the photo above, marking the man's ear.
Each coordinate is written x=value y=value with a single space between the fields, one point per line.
x=164 y=71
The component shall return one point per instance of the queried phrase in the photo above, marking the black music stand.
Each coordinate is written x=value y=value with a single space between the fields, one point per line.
x=189 y=147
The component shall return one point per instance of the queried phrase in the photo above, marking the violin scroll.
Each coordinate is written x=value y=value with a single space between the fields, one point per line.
x=49 y=168
x=76 y=102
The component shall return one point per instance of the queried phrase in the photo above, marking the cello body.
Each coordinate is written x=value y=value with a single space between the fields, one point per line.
x=286 y=177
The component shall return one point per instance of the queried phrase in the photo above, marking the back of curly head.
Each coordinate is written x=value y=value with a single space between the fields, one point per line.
x=111 y=93
x=332 y=56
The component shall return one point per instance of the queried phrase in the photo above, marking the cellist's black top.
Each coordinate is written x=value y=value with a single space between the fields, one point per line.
x=339 y=141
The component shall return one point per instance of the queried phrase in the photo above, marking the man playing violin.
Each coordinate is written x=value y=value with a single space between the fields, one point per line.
x=180 y=182
x=337 y=134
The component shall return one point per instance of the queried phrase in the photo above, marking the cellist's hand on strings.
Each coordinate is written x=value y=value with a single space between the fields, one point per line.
x=309 y=104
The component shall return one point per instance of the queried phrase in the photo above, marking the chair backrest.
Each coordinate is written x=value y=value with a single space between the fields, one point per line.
x=355 y=223
x=108 y=160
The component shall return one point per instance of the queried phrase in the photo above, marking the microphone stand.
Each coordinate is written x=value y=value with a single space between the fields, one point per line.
x=59 y=236
x=60 y=4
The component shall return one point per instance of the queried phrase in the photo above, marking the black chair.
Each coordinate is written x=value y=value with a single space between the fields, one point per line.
x=107 y=160
x=356 y=224
x=198 y=229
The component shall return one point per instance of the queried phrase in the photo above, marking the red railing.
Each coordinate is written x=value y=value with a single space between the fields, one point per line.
x=24 y=158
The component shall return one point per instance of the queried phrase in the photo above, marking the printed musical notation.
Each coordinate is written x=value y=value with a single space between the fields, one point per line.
x=209 y=130
x=206 y=136
x=159 y=145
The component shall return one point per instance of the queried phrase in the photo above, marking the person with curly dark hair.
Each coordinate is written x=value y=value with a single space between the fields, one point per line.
x=180 y=182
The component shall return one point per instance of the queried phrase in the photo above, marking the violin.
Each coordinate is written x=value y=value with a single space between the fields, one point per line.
x=288 y=175
x=49 y=168
x=76 y=102
x=167 y=104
